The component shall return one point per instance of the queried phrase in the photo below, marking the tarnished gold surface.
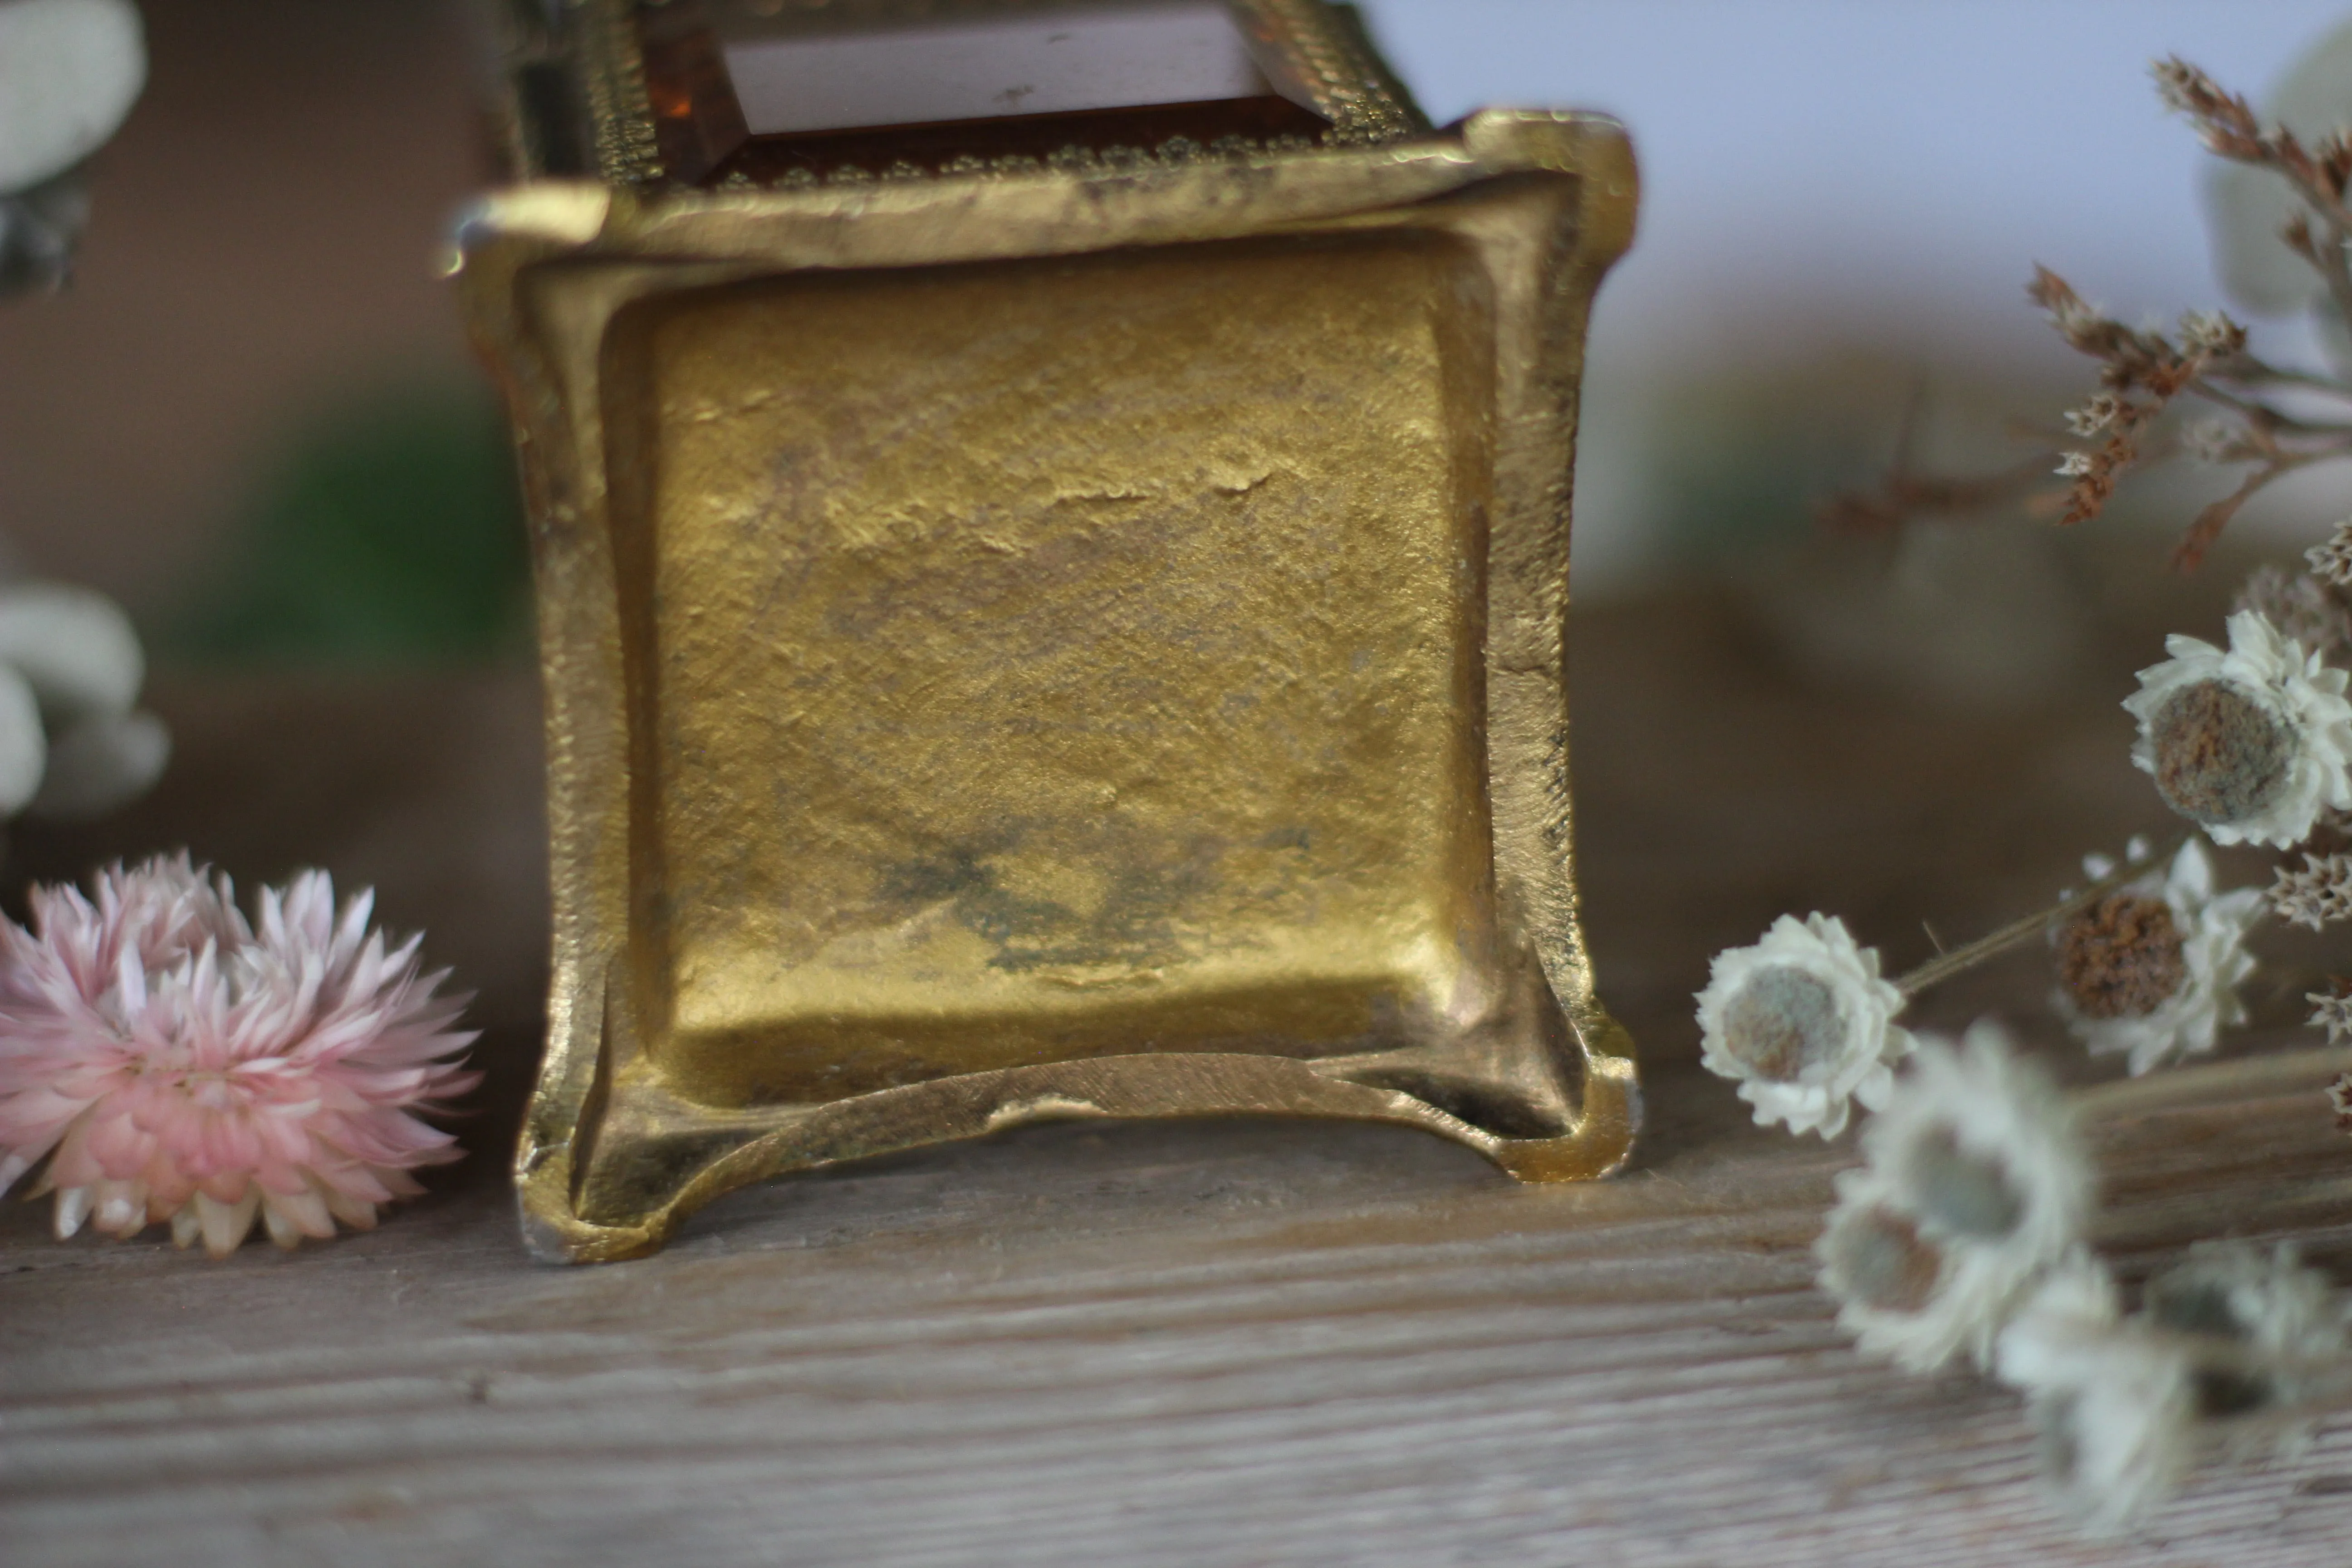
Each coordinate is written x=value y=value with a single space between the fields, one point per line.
x=1068 y=643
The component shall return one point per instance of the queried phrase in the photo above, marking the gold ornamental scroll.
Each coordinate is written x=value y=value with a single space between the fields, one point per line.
x=1058 y=636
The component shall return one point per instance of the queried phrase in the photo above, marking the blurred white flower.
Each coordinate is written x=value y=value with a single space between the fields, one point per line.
x=2152 y=970
x=2233 y=1347
x=72 y=742
x=2247 y=207
x=1974 y=1184
x=2113 y=1405
x=2287 y=1317
x=2251 y=744
x=69 y=72
x=1801 y=1022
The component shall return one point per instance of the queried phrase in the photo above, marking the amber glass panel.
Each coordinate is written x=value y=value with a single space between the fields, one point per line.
x=819 y=92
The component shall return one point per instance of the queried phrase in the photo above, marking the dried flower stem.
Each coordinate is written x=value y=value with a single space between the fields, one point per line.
x=2017 y=933
x=2144 y=373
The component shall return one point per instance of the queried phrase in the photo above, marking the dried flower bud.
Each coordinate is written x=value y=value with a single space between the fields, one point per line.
x=2332 y=1010
x=2340 y=1101
x=2100 y=412
x=2078 y=321
x=2077 y=465
x=2215 y=441
x=2252 y=744
x=2209 y=334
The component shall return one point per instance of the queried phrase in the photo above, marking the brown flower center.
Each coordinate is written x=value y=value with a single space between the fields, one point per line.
x=2193 y=1306
x=1782 y=1022
x=1882 y=1261
x=2122 y=957
x=2220 y=754
x=1964 y=1192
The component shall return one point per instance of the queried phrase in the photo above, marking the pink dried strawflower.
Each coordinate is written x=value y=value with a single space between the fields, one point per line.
x=174 y=1063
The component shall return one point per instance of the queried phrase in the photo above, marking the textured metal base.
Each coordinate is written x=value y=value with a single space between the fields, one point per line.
x=1072 y=642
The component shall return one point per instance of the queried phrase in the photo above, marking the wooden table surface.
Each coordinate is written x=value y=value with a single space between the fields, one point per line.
x=1189 y=1344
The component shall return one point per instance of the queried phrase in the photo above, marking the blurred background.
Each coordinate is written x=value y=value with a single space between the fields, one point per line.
x=254 y=421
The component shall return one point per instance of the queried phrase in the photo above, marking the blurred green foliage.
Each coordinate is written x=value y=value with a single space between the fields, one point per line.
x=1758 y=451
x=391 y=533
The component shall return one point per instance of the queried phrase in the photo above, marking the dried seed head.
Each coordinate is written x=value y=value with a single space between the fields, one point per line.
x=2320 y=892
x=1782 y=1022
x=2333 y=560
x=2100 y=412
x=2312 y=611
x=2221 y=754
x=1879 y=1258
x=2122 y=958
x=1963 y=1192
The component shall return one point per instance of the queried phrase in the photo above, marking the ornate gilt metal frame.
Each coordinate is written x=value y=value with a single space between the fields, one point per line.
x=1350 y=892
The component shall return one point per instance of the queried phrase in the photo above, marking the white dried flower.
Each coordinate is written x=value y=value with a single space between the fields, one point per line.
x=2152 y=970
x=1801 y=1022
x=2113 y=1405
x=2321 y=891
x=2075 y=465
x=2339 y=1093
x=1975 y=1183
x=2251 y=744
x=2332 y=561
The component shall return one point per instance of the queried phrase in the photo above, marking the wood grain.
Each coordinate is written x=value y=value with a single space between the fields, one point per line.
x=1213 y=1342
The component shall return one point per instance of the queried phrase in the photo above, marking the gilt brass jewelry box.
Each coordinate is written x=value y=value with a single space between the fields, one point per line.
x=1044 y=614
